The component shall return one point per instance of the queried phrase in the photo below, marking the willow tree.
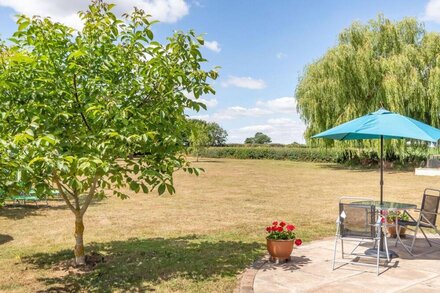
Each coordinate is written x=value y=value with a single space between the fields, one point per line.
x=395 y=65
x=75 y=106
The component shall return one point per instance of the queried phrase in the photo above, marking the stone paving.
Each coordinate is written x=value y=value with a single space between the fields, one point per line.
x=310 y=270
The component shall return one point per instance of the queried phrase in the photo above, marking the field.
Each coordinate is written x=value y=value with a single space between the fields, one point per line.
x=197 y=240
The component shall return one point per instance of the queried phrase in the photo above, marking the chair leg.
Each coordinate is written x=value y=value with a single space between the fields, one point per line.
x=334 y=253
x=386 y=248
x=342 y=248
x=426 y=237
x=377 y=257
x=397 y=233
x=414 y=237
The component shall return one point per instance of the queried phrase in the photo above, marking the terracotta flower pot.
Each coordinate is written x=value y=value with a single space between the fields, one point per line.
x=393 y=232
x=280 y=250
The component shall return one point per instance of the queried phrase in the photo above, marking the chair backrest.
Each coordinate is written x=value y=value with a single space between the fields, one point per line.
x=357 y=220
x=430 y=205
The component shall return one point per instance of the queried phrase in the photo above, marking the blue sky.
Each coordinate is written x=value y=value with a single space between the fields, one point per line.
x=262 y=47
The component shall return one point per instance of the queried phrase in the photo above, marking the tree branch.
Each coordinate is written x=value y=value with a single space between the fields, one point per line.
x=89 y=196
x=66 y=189
x=66 y=199
x=75 y=93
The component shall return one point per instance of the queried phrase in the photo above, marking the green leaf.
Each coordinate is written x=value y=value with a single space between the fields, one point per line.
x=149 y=34
x=134 y=186
x=161 y=188
x=29 y=131
x=23 y=25
x=201 y=40
x=76 y=54
x=20 y=57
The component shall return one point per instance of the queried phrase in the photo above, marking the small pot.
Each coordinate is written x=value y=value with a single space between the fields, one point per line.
x=393 y=232
x=280 y=250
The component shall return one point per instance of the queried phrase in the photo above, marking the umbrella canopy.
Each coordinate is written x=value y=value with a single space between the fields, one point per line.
x=382 y=124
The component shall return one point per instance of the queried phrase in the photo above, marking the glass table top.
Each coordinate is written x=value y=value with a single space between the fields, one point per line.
x=388 y=205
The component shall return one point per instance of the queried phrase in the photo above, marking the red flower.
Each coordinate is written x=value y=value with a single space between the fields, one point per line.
x=298 y=242
x=268 y=229
x=275 y=223
x=274 y=228
x=383 y=220
x=280 y=229
x=290 y=227
x=282 y=224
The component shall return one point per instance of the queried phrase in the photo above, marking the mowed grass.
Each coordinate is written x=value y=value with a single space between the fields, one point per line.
x=198 y=240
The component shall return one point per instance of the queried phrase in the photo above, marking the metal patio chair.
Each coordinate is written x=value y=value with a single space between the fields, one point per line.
x=358 y=221
x=428 y=213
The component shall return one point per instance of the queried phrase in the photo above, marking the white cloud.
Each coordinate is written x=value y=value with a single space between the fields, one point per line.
x=200 y=117
x=254 y=128
x=197 y=3
x=66 y=11
x=280 y=121
x=280 y=105
x=432 y=11
x=232 y=113
x=280 y=130
x=210 y=103
x=244 y=82
x=283 y=105
x=213 y=46
x=281 y=55
x=238 y=112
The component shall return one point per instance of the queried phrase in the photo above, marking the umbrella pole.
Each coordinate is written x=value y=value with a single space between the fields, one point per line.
x=381 y=170
x=382 y=235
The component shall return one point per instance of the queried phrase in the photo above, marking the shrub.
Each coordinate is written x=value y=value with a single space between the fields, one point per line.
x=274 y=153
x=350 y=156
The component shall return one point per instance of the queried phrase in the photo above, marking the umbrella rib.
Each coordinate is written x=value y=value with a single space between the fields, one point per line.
x=345 y=136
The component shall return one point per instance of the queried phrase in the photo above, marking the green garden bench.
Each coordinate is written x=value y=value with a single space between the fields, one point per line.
x=31 y=197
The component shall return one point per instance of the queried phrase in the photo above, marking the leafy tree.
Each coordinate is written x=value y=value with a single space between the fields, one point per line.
x=259 y=138
x=75 y=105
x=382 y=63
x=217 y=134
x=199 y=138
x=249 y=140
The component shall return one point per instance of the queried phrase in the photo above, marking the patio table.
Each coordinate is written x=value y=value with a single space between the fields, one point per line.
x=387 y=206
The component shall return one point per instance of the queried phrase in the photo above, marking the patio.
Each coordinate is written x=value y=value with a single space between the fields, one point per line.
x=310 y=271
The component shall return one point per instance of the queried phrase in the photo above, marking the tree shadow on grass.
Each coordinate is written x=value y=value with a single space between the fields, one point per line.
x=5 y=238
x=20 y=211
x=360 y=168
x=140 y=264
x=17 y=212
x=341 y=167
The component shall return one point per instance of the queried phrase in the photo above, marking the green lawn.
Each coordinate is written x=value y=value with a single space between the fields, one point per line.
x=198 y=240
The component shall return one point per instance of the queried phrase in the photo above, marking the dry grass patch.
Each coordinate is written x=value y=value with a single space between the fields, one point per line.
x=197 y=240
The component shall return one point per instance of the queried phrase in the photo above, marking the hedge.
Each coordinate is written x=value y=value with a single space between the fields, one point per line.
x=273 y=153
x=362 y=157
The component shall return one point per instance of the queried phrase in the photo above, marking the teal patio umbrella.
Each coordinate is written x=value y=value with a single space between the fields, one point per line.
x=382 y=124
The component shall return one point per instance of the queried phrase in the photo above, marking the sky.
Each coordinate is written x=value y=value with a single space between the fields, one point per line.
x=261 y=46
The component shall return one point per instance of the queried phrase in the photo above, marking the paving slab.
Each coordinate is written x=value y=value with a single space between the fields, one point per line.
x=310 y=270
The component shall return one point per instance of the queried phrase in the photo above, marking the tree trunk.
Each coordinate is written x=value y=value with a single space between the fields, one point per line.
x=197 y=157
x=80 y=258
